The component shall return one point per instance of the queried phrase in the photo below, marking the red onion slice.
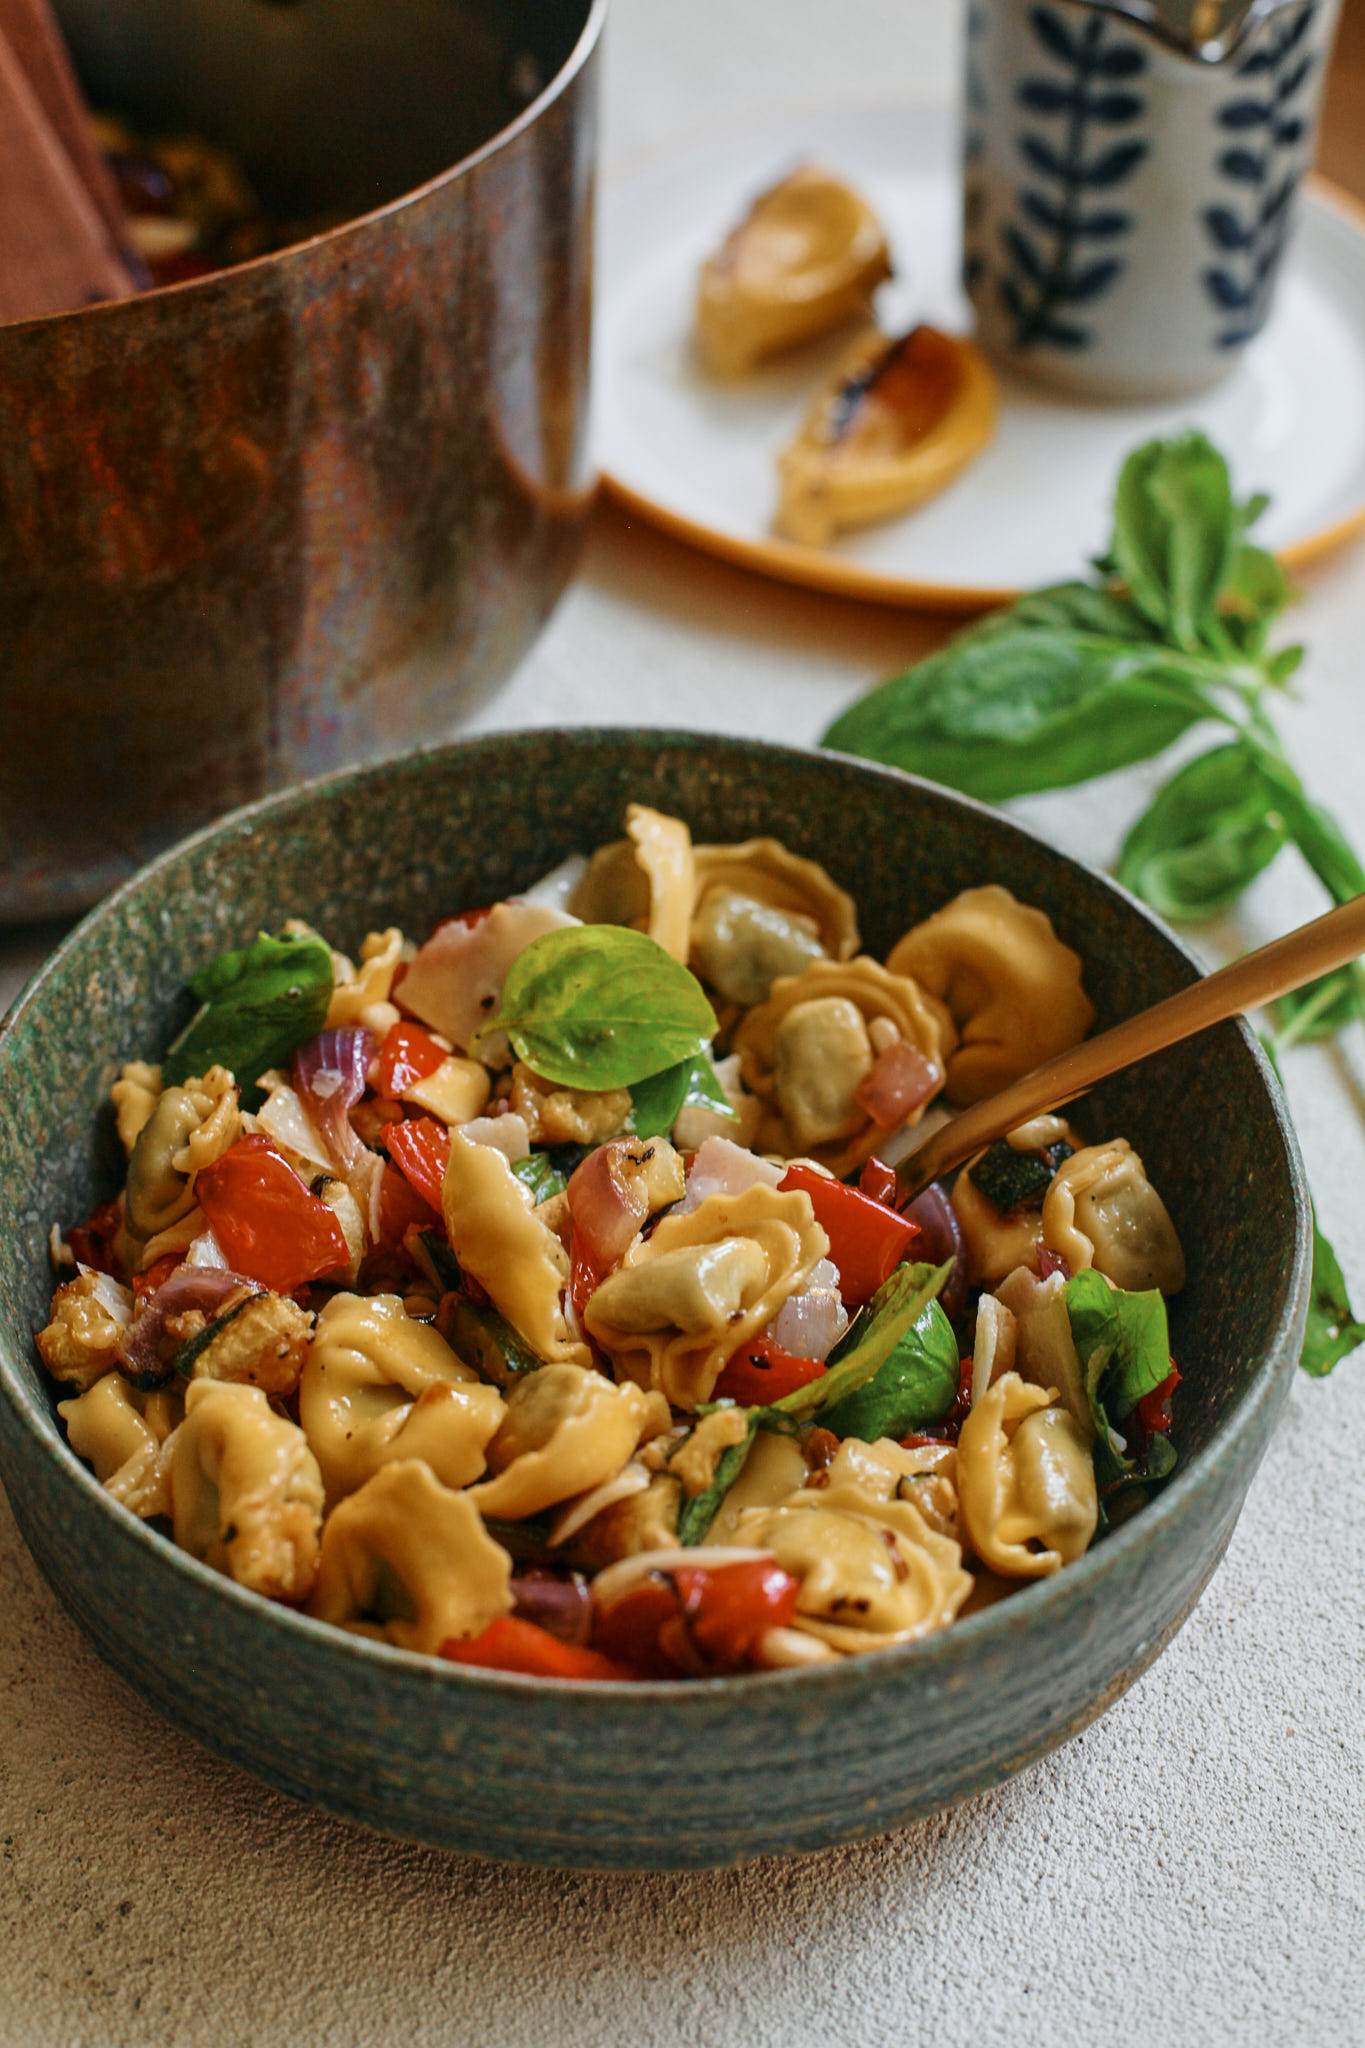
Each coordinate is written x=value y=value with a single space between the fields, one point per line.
x=899 y=1081
x=1050 y=1262
x=562 y=1607
x=202 y=1287
x=606 y=1211
x=942 y=1240
x=330 y=1075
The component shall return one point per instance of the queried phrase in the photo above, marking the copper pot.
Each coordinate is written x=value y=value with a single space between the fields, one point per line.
x=312 y=509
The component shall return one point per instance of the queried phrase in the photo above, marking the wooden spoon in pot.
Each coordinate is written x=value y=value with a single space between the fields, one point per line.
x=1245 y=984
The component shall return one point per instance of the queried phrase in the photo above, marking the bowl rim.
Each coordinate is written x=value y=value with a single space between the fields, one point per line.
x=554 y=88
x=1036 y=1597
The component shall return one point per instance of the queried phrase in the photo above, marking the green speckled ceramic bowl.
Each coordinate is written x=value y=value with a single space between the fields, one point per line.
x=658 y=1775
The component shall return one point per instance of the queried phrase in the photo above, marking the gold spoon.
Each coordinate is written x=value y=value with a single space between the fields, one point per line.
x=1260 y=977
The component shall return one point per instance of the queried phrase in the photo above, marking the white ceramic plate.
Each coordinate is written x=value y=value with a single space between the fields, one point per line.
x=698 y=457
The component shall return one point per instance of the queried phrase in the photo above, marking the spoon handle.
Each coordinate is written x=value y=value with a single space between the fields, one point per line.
x=1244 y=984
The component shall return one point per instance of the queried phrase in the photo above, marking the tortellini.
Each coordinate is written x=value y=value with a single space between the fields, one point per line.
x=1013 y=988
x=408 y=1559
x=995 y=1240
x=764 y=872
x=246 y=1491
x=498 y=1237
x=134 y=1095
x=645 y=880
x=872 y=1571
x=684 y=1300
x=809 y=1046
x=566 y=1430
x=188 y=1129
x=1101 y=1210
x=128 y=1438
x=1025 y=1481
x=362 y=996
x=1044 y=1350
x=378 y=1386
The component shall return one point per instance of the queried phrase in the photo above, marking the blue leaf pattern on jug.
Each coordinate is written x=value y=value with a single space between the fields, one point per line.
x=1250 y=235
x=976 y=107
x=1051 y=263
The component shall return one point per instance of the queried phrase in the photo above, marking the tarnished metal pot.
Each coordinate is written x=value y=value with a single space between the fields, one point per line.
x=312 y=509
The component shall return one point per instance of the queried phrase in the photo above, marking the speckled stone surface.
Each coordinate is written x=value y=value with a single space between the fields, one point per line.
x=514 y=1769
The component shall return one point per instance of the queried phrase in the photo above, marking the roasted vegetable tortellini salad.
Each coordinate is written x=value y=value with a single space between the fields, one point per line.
x=537 y=1296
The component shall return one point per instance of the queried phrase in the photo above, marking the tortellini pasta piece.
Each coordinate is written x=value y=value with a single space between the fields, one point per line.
x=127 y=1437
x=188 y=1128
x=1101 y=1210
x=566 y=1430
x=134 y=1095
x=89 y=1316
x=1013 y=988
x=994 y=1240
x=763 y=871
x=645 y=880
x=409 y=1560
x=497 y=1236
x=378 y=1385
x=362 y=995
x=1044 y=1350
x=684 y=1300
x=246 y=1492
x=873 y=1573
x=1025 y=1481
x=807 y=1048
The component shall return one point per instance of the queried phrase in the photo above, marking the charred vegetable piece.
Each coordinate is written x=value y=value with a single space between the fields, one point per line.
x=485 y=1340
x=267 y=1224
x=1009 y=1178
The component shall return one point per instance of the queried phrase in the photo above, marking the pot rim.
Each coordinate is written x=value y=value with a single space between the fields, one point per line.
x=1071 y=1587
x=108 y=309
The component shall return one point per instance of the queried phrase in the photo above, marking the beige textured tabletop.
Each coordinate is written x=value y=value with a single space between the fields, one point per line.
x=1191 y=1869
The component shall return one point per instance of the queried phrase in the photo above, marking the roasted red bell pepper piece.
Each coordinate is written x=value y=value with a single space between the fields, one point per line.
x=730 y=1607
x=160 y=1269
x=92 y=1242
x=267 y=1224
x=878 y=1182
x=401 y=1207
x=409 y=1053
x=420 y=1149
x=1154 y=1409
x=511 y=1644
x=761 y=1372
x=866 y=1241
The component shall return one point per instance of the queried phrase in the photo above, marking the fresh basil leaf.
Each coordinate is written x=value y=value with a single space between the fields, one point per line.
x=1333 y=1332
x=696 y=1515
x=1176 y=531
x=659 y=1100
x=1318 y=1011
x=917 y=1384
x=538 y=1174
x=1204 y=837
x=1121 y=1339
x=1253 y=596
x=1082 y=607
x=600 y=1006
x=256 y=1005
x=1003 y=714
x=889 y=1317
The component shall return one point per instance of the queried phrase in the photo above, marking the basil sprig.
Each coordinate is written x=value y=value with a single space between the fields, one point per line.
x=1173 y=632
x=659 y=1100
x=600 y=1006
x=256 y=1005
x=1124 y=1347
